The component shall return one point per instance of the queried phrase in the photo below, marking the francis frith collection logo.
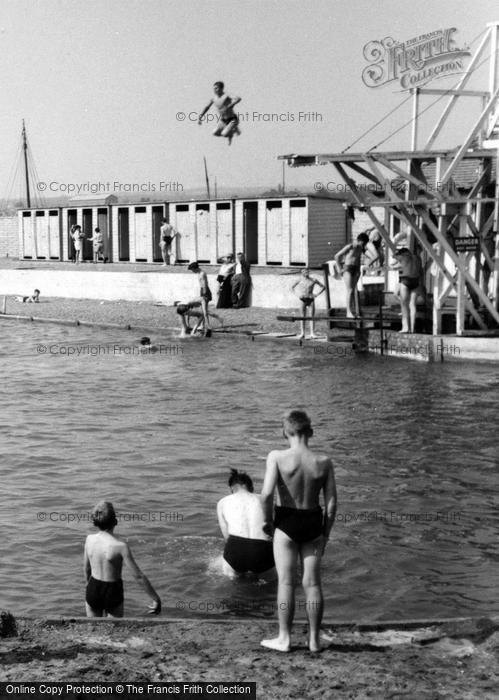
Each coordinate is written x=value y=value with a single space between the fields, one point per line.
x=414 y=62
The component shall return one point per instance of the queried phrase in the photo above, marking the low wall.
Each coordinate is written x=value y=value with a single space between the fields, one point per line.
x=269 y=291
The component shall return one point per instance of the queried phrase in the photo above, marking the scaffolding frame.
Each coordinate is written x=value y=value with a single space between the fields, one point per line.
x=430 y=213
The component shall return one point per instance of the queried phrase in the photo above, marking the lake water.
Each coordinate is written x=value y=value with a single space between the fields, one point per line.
x=414 y=447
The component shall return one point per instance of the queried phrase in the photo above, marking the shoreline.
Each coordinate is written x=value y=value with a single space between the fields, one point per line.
x=447 y=659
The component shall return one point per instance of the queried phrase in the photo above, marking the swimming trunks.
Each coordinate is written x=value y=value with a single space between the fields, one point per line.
x=104 y=595
x=245 y=554
x=301 y=525
x=307 y=300
x=409 y=282
x=206 y=294
x=352 y=269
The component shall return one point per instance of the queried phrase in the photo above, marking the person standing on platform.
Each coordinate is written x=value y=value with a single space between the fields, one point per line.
x=301 y=531
x=411 y=284
x=167 y=235
x=348 y=260
x=241 y=283
x=304 y=290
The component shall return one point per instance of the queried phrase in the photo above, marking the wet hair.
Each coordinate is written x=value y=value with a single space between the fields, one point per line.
x=363 y=238
x=37 y=291
x=145 y=340
x=193 y=266
x=103 y=516
x=240 y=478
x=182 y=309
x=219 y=84
x=297 y=422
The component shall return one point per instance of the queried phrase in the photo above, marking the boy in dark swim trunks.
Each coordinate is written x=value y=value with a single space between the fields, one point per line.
x=103 y=560
x=228 y=120
x=304 y=290
x=205 y=295
x=301 y=530
x=240 y=516
x=410 y=285
x=348 y=259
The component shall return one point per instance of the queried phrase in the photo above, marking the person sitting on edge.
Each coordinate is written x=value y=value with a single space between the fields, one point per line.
x=188 y=309
x=97 y=241
x=304 y=290
x=240 y=516
x=301 y=530
x=103 y=561
x=167 y=235
x=33 y=299
x=410 y=285
x=349 y=259
x=205 y=295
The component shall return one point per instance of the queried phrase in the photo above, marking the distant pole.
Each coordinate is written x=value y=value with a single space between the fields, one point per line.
x=216 y=191
x=207 y=178
x=25 y=148
x=283 y=177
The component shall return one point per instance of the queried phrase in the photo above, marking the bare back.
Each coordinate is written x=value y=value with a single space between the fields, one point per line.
x=105 y=554
x=302 y=475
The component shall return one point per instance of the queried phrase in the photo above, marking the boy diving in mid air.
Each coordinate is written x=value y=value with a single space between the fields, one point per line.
x=228 y=125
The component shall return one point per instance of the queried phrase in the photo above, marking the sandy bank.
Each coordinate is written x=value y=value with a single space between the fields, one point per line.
x=444 y=660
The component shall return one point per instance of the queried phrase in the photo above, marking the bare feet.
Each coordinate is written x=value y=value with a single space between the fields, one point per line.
x=314 y=646
x=276 y=644
x=300 y=336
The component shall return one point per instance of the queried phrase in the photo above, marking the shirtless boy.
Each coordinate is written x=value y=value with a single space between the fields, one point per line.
x=348 y=258
x=167 y=235
x=301 y=529
x=304 y=290
x=205 y=295
x=189 y=309
x=228 y=120
x=240 y=516
x=103 y=561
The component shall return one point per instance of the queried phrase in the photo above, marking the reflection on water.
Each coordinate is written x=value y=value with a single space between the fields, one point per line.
x=415 y=456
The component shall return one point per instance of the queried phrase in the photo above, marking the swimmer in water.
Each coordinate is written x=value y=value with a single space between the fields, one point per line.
x=304 y=290
x=145 y=345
x=228 y=120
x=104 y=557
x=248 y=550
x=301 y=530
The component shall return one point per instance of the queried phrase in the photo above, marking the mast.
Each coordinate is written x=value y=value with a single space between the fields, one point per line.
x=26 y=175
x=207 y=178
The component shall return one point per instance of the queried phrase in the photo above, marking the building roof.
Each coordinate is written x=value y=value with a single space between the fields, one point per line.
x=92 y=200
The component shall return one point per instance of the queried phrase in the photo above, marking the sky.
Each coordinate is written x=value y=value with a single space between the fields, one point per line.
x=110 y=89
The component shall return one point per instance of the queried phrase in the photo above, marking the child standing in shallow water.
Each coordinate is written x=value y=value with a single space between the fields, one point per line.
x=103 y=562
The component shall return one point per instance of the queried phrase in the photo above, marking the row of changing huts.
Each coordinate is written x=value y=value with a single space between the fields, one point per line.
x=289 y=230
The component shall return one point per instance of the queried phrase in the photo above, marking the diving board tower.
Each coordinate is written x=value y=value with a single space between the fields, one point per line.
x=446 y=201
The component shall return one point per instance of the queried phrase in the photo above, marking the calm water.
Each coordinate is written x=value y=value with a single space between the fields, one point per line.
x=414 y=446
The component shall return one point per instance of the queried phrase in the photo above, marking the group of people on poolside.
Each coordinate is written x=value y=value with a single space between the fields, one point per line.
x=97 y=240
x=261 y=539
x=348 y=262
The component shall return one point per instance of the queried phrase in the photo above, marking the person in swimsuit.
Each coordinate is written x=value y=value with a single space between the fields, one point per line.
x=167 y=235
x=97 y=241
x=240 y=516
x=103 y=561
x=33 y=299
x=228 y=120
x=349 y=259
x=301 y=531
x=77 y=235
x=304 y=290
x=186 y=311
x=205 y=295
x=410 y=285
